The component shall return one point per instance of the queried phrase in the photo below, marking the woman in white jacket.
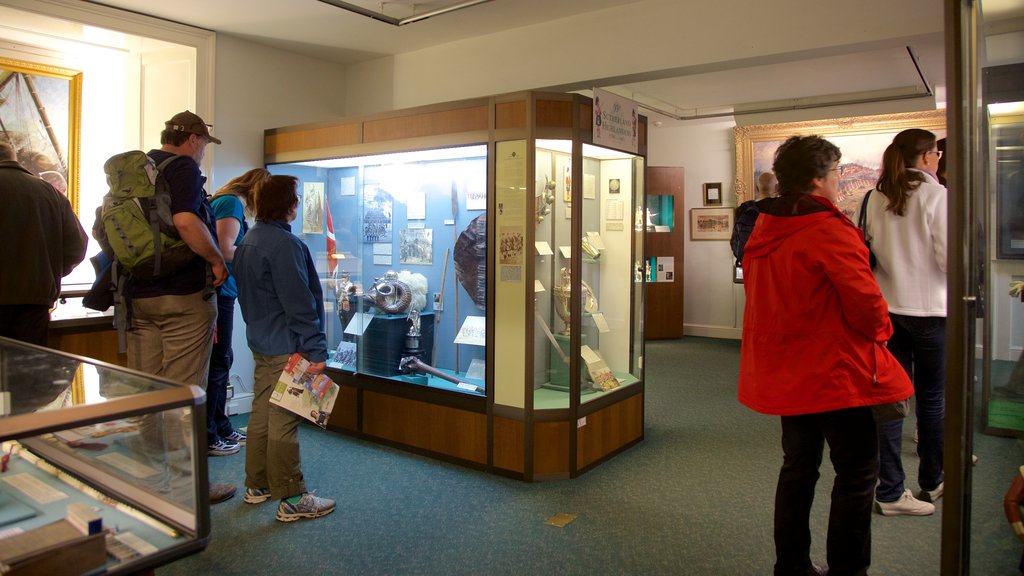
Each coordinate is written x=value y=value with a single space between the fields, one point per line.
x=906 y=225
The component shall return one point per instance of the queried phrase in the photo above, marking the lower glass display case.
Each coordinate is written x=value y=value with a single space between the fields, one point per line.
x=103 y=471
x=482 y=264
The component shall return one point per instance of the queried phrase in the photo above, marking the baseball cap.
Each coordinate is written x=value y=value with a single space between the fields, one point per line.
x=189 y=122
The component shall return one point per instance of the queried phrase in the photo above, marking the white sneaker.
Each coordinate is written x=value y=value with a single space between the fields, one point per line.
x=932 y=495
x=907 y=505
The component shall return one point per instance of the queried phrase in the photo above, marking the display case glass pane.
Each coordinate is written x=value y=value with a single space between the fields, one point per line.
x=87 y=440
x=400 y=243
x=1005 y=382
x=608 y=248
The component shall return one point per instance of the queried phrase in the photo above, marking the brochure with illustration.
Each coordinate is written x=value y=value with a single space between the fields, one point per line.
x=308 y=395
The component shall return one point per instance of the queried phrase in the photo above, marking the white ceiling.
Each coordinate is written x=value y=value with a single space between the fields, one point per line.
x=320 y=30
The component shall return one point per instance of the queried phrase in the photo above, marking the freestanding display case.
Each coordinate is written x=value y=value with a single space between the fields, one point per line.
x=482 y=264
x=100 y=471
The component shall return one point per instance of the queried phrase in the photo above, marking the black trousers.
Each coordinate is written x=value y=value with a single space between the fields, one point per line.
x=25 y=322
x=853 y=449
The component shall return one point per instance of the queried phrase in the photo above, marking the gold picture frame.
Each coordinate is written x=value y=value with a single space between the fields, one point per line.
x=711 y=223
x=864 y=139
x=41 y=115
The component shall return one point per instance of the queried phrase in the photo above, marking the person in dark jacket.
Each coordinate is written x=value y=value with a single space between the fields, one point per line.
x=43 y=242
x=747 y=213
x=813 y=352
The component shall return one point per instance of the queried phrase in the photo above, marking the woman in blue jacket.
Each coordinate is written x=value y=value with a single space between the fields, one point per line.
x=283 y=307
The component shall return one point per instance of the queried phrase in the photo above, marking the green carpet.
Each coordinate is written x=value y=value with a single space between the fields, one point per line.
x=694 y=498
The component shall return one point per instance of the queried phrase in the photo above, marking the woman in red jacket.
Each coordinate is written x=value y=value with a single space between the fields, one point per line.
x=814 y=333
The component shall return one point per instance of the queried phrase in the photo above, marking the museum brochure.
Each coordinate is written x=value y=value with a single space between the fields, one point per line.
x=308 y=395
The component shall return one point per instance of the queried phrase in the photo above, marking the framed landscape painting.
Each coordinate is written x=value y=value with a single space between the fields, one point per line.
x=40 y=115
x=861 y=139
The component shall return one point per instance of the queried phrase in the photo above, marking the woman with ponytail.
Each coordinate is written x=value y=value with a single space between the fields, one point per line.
x=232 y=204
x=906 y=225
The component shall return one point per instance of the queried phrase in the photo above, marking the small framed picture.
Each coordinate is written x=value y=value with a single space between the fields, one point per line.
x=711 y=223
x=712 y=193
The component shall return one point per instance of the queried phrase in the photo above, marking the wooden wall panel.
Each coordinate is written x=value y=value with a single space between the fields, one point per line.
x=510 y=115
x=426 y=124
x=345 y=416
x=554 y=114
x=550 y=448
x=311 y=139
x=439 y=429
x=97 y=343
x=509 y=444
x=663 y=316
x=609 y=429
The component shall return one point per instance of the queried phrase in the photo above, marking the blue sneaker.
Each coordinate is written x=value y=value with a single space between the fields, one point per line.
x=222 y=448
x=309 y=506
x=256 y=495
x=237 y=437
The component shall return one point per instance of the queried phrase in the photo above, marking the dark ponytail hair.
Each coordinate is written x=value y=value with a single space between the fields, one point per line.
x=896 y=182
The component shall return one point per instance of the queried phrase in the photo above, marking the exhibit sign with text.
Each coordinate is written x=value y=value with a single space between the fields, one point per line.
x=615 y=121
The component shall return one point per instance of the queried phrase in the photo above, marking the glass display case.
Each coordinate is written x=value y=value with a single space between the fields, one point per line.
x=104 y=470
x=588 y=231
x=1003 y=308
x=400 y=241
x=482 y=263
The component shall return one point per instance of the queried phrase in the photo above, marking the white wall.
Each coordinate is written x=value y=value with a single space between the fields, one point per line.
x=707 y=150
x=637 y=40
x=257 y=88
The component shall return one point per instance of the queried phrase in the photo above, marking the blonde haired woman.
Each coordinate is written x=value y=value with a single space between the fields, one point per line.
x=231 y=204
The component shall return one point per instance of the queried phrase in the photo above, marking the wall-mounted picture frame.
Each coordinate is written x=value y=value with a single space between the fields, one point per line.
x=711 y=223
x=41 y=115
x=712 y=193
x=861 y=139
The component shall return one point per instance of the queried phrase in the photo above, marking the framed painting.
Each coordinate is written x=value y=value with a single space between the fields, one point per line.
x=712 y=193
x=711 y=223
x=861 y=139
x=40 y=115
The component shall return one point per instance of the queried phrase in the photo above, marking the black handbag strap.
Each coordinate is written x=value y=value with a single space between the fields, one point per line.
x=862 y=218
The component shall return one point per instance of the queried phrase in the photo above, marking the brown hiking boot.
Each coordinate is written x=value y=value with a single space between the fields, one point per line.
x=221 y=492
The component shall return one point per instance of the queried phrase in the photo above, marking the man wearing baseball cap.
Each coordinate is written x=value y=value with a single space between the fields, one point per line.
x=173 y=316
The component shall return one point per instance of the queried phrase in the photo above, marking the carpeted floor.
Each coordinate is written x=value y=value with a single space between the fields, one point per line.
x=694 y=498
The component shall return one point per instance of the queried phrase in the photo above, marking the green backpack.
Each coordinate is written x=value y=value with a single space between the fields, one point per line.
x=136 y=216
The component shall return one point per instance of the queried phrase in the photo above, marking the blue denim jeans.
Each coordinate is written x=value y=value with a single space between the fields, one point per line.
x=919 y=344
x=218 y=426
x=853 y=450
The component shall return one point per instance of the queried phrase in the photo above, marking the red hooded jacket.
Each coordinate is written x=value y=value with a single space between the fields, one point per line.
x=815 y=322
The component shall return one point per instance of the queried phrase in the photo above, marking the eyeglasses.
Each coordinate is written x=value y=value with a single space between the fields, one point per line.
x=938 y=153
x=838 y=170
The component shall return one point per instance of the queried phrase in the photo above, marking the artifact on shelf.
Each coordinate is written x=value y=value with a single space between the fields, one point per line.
x=412 y=337
x=471 y=260
x=413 y=365
x=546 y=199
x=418 y=284
x=390 y=294
x=589 y=249
x=563 y=294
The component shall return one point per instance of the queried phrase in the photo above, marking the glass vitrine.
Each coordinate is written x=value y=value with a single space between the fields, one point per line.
x=400 y=241
x=483 y=263
x=105 y=464
x=588 y=250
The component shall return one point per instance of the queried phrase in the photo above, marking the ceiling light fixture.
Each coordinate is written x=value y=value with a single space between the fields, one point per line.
x=380 y=16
